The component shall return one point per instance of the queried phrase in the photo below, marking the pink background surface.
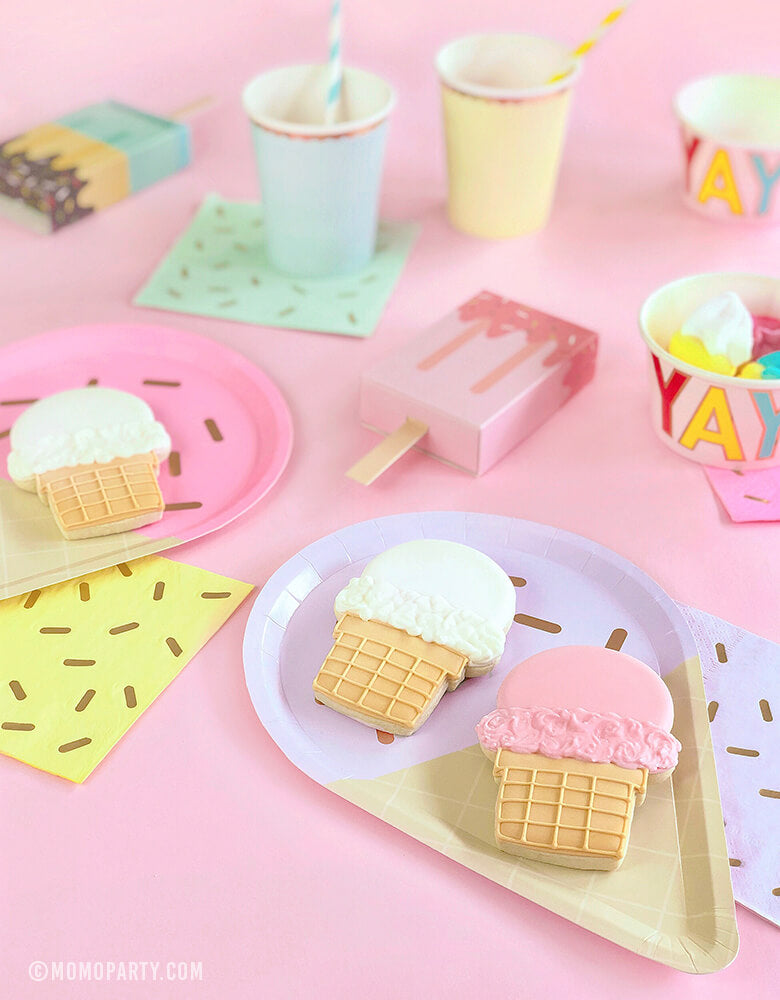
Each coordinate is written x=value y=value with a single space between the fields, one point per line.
x=196 y=839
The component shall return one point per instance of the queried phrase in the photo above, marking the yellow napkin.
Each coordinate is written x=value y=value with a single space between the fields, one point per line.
x=81 y=660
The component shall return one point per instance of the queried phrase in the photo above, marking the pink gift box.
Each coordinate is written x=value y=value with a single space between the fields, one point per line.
x=482 y=379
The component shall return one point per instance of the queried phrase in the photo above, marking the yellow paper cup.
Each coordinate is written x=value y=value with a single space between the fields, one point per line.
x=504 y=127
x=732 y=423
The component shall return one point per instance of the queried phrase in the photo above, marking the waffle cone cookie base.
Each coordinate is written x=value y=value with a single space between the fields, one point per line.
x=565 y=812
x=384 y=677
x=103 y=498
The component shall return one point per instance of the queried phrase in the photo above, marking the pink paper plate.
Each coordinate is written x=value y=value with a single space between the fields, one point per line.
x=229 y=425
x=570 y=591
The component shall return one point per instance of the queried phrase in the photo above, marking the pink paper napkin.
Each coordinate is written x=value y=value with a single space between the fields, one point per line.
x=747 y=496
x=742 y=680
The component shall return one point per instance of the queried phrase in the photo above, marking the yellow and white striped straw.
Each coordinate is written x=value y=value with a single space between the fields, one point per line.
x=603 y=27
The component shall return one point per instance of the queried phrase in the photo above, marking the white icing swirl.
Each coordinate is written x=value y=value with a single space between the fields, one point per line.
x=432 y=618
x=87 y=445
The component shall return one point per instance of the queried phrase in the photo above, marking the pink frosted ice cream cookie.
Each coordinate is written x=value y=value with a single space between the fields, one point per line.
x=574 y=736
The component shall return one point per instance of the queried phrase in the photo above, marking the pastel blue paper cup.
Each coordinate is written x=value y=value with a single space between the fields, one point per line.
x=319 y=182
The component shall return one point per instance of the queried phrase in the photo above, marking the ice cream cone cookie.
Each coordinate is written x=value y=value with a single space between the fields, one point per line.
x=92 y=455
x=422 y=616
x=575 y=735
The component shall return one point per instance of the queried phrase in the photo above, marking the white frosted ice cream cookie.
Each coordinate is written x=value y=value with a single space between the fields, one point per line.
x=421 y=617
x=92 y=455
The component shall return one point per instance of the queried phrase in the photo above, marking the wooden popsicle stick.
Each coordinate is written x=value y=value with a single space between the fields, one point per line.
x=191 y=109
x=388 y=451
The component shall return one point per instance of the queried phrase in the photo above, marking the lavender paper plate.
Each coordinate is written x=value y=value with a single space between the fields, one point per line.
x=571 y=582
x=672 y=899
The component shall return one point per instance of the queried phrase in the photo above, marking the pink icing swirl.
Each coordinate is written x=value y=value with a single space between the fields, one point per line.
x=599 y=737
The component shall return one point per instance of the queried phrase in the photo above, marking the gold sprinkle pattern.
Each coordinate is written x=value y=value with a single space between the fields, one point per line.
x=766 y=711
x=214 y=431
x=174 y=647
x=720 y=649
x=74 y=745
x=85 y=699
x=32 y=597
x=616 y=639
x=119 y=629
x=539 y=623
x=742 y=752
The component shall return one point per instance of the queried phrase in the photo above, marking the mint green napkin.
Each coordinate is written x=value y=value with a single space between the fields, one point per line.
x=219 y=268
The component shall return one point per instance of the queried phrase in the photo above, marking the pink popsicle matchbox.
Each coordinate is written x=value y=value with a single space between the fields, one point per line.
x=474 y=385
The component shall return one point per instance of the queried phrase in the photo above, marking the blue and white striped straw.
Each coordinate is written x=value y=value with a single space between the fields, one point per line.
x=335 y=71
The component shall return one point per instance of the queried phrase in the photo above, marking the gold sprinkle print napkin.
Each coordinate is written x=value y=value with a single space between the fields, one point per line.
x=742 y=680
x=219 y=268
x=81 y=660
